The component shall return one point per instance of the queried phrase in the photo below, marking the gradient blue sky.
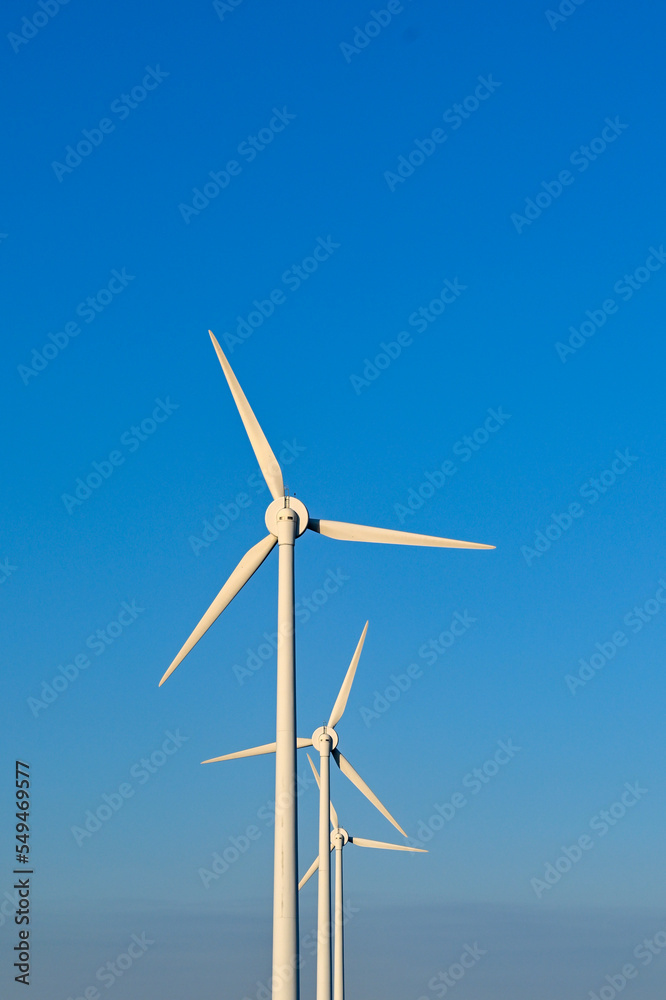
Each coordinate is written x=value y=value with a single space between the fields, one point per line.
x=360 y=450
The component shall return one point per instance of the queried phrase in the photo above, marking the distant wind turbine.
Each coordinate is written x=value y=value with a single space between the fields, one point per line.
x=325 y=739
x=338 y=838
x=286 y=519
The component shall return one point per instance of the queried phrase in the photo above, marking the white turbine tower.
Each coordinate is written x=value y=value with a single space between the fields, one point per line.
x=338 y=838
x=325 y=739
x=286 y=519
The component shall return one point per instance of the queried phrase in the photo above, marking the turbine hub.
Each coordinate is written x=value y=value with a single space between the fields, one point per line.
x=325 y=734
x=339 y=837
x=287 y=509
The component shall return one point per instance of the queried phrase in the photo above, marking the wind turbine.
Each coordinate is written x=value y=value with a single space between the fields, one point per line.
x=325 y=739
x=338 y=838
x=286 y=519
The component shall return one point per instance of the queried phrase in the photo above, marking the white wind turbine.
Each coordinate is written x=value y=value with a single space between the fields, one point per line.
x=325 y=739
x=286 y=519
x=338 y=838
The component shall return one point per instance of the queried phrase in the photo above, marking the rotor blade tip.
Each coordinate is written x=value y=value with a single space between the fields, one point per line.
x=216 y=344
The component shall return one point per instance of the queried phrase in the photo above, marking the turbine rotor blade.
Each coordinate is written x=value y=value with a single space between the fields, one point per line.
x=311 y=870
x=362 y=842
x=363 y=533
x=255 y=751
x=334 y=816
x=252 y=752
x=341 y=700
x=357 y=780
x=314 y=770
x=268 y=463
x=248 y=565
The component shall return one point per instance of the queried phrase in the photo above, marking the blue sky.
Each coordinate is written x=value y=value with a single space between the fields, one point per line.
x=446 y=238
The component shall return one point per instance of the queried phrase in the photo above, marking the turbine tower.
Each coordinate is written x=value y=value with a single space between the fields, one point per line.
x=325 y=739
x=286 y=519
x=338 y=838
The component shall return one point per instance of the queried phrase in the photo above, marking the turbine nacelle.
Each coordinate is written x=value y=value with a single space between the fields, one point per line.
x=325 y=739
x=287 y=508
